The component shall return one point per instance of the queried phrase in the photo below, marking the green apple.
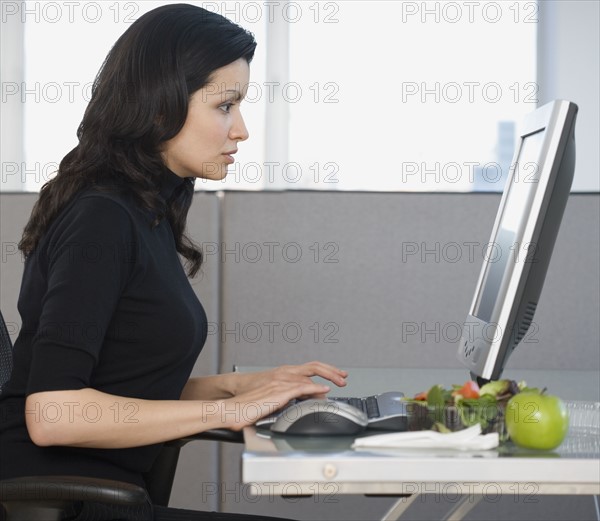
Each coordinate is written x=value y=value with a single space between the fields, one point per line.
x=536 y=420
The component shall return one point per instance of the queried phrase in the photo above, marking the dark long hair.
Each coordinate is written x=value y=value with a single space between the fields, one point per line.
x=140 y=100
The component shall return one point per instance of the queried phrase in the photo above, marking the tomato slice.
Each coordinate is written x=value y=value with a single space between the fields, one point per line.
x=421 y=396
x=469 y=390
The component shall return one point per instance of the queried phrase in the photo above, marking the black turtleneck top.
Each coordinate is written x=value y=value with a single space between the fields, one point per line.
x=105 y=304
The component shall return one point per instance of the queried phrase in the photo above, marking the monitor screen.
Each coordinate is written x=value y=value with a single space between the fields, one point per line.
x=505 y=250
x=522 y=240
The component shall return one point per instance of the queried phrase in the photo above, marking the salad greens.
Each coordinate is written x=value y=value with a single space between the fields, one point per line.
x=467 y=405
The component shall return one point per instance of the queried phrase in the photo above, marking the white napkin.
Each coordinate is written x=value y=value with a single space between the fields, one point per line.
x=466 y=439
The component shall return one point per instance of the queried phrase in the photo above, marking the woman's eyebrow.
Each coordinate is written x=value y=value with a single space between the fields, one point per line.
x=227 y=94
x=236 y=93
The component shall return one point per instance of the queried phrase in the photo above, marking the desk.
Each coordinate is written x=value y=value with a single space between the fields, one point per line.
x=275 y=464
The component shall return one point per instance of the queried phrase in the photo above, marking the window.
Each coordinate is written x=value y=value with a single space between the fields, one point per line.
x=411 y=95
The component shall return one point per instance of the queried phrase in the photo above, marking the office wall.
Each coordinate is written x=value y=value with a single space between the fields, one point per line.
x=378 y=279
x=568 y=36
x=388 y=279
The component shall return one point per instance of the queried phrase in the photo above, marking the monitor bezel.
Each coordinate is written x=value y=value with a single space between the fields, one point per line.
x=556 y=120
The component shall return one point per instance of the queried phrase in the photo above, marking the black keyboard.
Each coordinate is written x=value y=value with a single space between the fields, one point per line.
x=368 y=405
x=386 y=411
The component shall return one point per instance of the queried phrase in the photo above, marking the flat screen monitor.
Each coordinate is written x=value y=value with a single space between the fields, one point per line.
x=522 y=240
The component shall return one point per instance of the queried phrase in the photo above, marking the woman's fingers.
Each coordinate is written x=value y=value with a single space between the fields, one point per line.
x=329 y=372
x=256 y=404
x=290 y=374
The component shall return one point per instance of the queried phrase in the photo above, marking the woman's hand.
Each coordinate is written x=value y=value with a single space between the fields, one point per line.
x=269 y=391
x=247 y=397
x=288 y=374
x=233 y=384
x=259 y=394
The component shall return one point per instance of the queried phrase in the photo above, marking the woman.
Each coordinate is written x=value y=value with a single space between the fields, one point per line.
x=111 y=326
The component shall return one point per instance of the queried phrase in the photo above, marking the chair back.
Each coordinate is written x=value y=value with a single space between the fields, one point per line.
x=6 y=354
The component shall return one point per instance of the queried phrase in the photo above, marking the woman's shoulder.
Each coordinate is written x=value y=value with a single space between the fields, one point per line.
x=110 y=205
x=95 y=228
x=95 y=214
x=104 y=200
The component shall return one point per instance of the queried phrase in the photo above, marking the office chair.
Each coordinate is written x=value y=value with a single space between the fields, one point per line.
x=48 y=498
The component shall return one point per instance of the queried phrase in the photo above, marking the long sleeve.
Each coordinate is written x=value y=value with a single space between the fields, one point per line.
x=89 y=259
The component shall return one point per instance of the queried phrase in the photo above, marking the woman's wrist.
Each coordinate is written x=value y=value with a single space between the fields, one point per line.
x=224 y=385
x=212 y=387
x=229 y=384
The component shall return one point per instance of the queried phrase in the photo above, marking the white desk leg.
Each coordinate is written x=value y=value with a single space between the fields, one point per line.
x=398 y=508
x=463 y=507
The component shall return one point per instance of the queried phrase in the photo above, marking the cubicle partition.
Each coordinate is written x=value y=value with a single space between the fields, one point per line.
x=356 y=279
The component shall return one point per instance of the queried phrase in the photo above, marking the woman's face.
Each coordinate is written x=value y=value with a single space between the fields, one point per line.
x=213 y=128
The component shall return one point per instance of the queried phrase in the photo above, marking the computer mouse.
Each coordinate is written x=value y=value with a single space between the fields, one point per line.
x=320 y=418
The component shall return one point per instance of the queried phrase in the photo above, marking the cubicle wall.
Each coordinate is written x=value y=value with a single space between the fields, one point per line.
x=387 y=279
x=376 y=279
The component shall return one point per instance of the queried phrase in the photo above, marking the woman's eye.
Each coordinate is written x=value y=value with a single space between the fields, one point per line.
x=226 y=107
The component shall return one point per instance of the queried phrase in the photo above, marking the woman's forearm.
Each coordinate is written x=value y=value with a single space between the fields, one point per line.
x=212 y=387
x=90 y=418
